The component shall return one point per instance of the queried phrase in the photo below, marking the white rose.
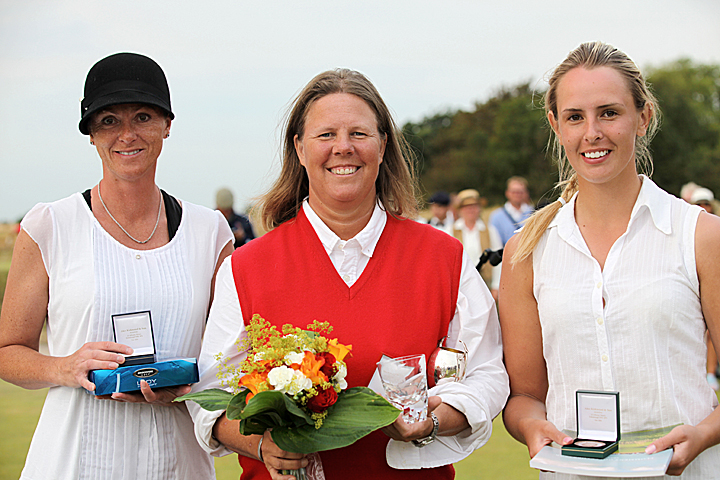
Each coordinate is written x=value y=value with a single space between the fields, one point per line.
x=339 y=377
x=280 y=377
x=294 y=357
x=298 y=383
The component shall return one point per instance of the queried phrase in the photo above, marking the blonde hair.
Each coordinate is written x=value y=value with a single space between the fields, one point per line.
x=588 y=55
x=396 y=184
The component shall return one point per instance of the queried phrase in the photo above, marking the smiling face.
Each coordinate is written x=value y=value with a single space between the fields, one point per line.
x=341 y=150
x=129 y=139
x=597 y=123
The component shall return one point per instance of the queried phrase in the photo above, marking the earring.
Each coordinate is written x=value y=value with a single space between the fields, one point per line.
x=167 y=135
x=92 y=143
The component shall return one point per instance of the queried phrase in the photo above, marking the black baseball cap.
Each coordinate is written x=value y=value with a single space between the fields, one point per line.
x=124 y=78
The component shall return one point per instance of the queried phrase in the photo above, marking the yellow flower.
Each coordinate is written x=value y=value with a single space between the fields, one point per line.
x=338 y=349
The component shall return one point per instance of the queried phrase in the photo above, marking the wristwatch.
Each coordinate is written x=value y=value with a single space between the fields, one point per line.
x=421 y=442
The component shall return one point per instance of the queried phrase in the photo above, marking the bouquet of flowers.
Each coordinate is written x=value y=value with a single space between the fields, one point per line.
x=294 y=384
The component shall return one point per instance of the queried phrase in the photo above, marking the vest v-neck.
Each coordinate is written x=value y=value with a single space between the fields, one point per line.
x=320 y=253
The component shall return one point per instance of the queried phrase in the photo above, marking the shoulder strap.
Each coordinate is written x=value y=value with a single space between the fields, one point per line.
x=87 y=197
x=173 y=213
x=516 y=224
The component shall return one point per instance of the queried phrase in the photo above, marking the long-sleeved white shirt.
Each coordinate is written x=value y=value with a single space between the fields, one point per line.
x=480 y=396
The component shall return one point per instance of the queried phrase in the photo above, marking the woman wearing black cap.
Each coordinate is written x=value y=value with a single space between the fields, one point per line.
x=123 y=246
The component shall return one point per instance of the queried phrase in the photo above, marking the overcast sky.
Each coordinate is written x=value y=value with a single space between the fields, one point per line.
x=234 y=66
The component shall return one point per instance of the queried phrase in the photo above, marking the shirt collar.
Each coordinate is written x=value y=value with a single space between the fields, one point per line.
x=460 y=225
x=367 y=238
x=650 y=198
x=517 y=212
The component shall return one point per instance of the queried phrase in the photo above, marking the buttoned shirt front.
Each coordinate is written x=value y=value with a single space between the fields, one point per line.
x=635 y=326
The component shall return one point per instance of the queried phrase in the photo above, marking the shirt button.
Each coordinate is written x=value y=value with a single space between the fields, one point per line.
x=600 y=321
x=346 y=278
x=604 y=358
x=599 y=284
x=137 y=256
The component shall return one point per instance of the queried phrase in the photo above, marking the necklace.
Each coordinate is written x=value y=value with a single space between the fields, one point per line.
x=157 y=222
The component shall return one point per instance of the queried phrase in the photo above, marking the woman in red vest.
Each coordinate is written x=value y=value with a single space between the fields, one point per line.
x=342 y=249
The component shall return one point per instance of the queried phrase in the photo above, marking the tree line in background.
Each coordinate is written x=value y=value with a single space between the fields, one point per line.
x=507 y=135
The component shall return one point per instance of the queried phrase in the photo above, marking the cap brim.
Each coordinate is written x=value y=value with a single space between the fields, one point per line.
x=119 y=98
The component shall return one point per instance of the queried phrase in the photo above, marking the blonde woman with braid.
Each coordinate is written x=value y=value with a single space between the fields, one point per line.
x=603 y=290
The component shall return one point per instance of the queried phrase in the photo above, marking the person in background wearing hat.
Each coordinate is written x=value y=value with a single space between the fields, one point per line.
x=442 y=217
x=510 y=217
x=703 y=197
x=476 y=236
x=239 y=223
x=122 y=246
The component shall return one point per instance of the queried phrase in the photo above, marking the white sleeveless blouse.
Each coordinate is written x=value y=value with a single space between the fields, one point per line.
x=647 y=342
x=92 y=276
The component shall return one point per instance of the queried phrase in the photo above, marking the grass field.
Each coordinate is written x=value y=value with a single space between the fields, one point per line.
x=501 y=458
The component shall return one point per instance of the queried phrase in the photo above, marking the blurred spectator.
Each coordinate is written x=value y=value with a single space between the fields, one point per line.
x=703 y=197
x=510 y=217
x=476 y=236
x=687 y=190
x=442 y=217
x=239 y=223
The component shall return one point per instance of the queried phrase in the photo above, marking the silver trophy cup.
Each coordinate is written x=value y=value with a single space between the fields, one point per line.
x=446 y=364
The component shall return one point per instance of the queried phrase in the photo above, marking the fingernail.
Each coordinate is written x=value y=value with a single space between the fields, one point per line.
x=567 y=440
x=113 y=365
x=650 y=449
x=120 y=359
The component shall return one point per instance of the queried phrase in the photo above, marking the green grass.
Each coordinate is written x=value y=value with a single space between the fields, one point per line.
x=19 y=413
x=4 y=269
x=502 y=457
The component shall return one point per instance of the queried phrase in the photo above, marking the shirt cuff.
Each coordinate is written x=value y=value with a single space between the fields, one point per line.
x=204 y=421
x=445 y=449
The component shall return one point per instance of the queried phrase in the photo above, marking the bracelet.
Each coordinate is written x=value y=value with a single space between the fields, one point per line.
x=259 y=455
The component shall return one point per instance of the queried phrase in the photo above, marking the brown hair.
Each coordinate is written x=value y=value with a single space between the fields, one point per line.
x=588 y=55
x=396 y=184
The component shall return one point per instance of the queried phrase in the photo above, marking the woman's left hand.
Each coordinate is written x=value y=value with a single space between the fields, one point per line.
x=687 y=441
x=160 y=396
x=405 y=432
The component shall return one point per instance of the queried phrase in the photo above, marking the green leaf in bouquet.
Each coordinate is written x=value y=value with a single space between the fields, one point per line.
x=358 y=412
x=212 y=399
x=236 y=405
x=268 y=409
x=257 y=424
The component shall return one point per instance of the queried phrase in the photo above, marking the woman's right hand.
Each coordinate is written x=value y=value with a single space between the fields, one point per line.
x=73 y=370
x=276 y=459
x=539 y=433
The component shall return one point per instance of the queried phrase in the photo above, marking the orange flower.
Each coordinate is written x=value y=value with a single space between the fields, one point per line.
x=311 y=366
x=338 y=349
x=253 y=381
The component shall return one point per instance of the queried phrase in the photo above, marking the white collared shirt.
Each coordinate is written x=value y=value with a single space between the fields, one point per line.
x=635 y=326
x=349 y=257
x=480 y=396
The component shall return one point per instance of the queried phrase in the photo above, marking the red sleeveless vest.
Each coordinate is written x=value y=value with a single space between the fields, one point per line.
x=402 y=304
